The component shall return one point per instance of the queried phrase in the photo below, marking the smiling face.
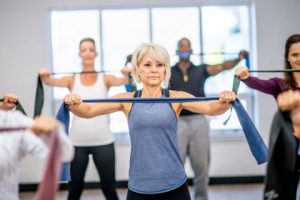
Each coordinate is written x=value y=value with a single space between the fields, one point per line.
x=150 y=71
x=294 y=56
x=87 y=52
x=292 y=60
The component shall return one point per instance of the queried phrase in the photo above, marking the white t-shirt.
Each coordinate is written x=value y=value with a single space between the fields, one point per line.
x=15 y=145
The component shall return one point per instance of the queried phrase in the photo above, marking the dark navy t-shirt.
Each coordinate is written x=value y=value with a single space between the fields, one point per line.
x=197 y=76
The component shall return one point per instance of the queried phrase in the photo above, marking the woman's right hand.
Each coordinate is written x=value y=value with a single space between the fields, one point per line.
x=44 y=73
x=242 y=72
x=72 y=100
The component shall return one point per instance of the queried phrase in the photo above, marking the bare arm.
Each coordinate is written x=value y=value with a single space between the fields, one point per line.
x=47 y=79
x=206 y=107
x=215 y=69
x=111 y=80
x=89 y=110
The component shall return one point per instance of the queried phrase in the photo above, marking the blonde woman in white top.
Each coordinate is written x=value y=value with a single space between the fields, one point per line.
x=90 y=136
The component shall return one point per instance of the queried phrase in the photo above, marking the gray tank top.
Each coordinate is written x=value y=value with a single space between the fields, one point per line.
x=155 y=164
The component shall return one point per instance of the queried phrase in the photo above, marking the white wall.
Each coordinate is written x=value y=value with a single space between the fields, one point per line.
x=23 y=50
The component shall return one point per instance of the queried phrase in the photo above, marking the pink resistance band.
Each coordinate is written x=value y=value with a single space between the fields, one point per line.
x=48 y=187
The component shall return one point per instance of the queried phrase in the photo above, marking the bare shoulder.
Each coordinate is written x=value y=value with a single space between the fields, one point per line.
x=179 y=94
x=124 y=95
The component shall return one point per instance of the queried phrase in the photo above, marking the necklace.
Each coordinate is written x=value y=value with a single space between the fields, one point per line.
x=185 y=78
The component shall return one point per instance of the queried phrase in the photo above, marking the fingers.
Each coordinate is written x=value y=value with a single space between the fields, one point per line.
x=227 y=97
x=44 y=124
x=11 y=98
x=243 y=54
x=44 y=72
x=72 y=100
x=9 y=101
x=242 y=72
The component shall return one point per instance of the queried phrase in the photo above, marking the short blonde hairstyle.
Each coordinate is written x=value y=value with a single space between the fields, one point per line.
x=157 y=52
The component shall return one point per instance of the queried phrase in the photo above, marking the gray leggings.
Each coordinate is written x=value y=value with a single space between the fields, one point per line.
x=194 y=142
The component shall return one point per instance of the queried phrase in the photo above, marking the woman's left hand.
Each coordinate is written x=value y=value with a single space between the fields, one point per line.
x=227 y=96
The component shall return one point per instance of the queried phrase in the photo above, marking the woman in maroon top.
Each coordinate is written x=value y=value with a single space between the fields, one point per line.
x=283 y=163
x=274 y=86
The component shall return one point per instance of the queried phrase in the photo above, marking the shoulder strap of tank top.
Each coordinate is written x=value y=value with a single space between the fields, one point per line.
x=137 y=93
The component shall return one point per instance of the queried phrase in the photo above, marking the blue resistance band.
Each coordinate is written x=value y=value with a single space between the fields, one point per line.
x=255 y=142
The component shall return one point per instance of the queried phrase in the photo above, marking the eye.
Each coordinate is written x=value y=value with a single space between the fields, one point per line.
x=295 y=54
x=147 y=65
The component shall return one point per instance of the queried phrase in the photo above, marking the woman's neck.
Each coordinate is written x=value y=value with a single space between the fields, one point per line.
x=86 y=68
x=151 y=92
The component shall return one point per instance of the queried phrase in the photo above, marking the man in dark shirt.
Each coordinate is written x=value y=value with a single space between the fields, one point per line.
x=193 y=129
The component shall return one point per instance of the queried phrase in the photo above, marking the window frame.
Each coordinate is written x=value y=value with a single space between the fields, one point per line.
x=250 y=96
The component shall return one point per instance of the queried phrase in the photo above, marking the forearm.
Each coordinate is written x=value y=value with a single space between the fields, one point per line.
x=217 y=108
x=265 y=86
x=230 y=63
x=215 y=69
x=56 y=82
x=211 y=108
x=85 y=110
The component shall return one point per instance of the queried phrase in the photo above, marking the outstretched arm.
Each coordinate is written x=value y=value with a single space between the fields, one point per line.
x=87 y=110
x=111 y=80
x=47 y=79
x=208 y=107
x=215 y=69
x=271 y=86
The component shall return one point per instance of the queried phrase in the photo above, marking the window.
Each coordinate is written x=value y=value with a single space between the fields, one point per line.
x=67 y=29
x=217 y=34
x=171 y=24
